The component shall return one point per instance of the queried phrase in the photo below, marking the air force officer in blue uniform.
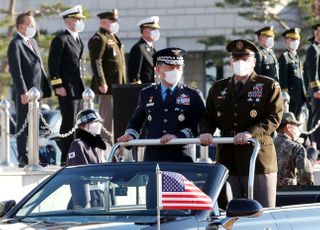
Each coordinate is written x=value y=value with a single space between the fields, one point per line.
x=168 y=109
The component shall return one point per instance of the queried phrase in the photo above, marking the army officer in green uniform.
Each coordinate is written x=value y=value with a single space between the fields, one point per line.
x=243 y=106
x=107 y=62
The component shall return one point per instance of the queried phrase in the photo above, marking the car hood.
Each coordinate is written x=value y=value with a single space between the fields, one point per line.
x=73 y=226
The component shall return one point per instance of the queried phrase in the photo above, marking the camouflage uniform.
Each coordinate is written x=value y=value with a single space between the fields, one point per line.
x=294 y=166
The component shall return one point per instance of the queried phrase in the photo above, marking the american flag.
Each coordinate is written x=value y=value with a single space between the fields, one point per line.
x=178 y=193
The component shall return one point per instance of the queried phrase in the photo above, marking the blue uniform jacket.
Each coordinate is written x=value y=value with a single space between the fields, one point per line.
x=180 y=117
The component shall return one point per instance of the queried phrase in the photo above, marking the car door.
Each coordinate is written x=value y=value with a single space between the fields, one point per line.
x=264 y=222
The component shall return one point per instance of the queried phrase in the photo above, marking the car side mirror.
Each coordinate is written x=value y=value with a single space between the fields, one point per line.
x=237 y=208
x=244 y=207
x=6 y=206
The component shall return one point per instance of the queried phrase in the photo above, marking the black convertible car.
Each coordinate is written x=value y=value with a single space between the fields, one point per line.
x=124 y=196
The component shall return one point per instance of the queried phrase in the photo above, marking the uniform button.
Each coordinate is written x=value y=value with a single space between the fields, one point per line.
x=166 y=110
x=165 y=120
x=235 y=114
x=235 y=124
x=164 y=131
x=235 y=105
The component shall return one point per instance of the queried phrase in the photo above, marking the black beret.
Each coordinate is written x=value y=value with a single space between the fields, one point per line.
x=241 y=47
x=112 y=15
x=315 y=26
x=169 y=56
x=268 y=31
x=293 y=33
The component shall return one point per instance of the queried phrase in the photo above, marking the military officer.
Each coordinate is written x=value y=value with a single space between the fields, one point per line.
x=107 y=62
x=313 y=70
x=170 y=110
x=266 y=61
x=65 y=58
x=140 y=64
x=291 y=71
x=245 y=105
x=295 y=162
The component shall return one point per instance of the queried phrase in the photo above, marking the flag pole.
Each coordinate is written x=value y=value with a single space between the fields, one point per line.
x=158 y=174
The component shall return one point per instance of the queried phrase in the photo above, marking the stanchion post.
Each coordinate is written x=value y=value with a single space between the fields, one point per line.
x=5 y=133
x=88 y=96
x=33 y=130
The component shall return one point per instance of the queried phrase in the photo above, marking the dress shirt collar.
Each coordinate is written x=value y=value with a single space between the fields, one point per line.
x=75 y=35
x=25 y=38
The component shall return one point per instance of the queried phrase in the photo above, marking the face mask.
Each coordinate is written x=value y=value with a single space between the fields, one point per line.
x=173 y=77
x=242 y=68
x=155 y=35
x=270 y=42
x=31 y=31
x=114 y=27
x=94 y=128
x=79 y=26
x=293 y=45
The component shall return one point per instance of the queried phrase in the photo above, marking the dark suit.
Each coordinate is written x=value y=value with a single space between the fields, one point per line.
x=140 y=63
x=64 y=67
x=291 y=81
x=313 y=70
x=180 y=117
x=108 y=67
x=27 y=71
x=258 y=109
x=267 y=63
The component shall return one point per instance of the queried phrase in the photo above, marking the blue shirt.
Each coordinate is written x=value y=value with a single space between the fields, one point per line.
x=163 y=90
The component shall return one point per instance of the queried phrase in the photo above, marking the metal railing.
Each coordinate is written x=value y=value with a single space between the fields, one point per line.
x=184 y=141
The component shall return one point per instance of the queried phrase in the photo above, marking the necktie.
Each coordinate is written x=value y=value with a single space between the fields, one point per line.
x=238 y=87
x=167 y=97
x=29 y=44
x=78 y=40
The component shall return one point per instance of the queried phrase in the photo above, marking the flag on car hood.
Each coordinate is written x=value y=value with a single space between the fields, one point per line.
x=177 y=192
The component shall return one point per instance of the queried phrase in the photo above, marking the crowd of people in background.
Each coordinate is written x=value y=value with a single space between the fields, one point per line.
x=247 y=104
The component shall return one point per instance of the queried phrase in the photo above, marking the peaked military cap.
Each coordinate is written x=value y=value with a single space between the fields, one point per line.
x=86 y=116
x=74 y=12
x=152 y=22
x=241 y=47
x=112 y=15
x=169 y=56
x=289 y=118
x=315 y=26
x=293 y=33
x=268 y=31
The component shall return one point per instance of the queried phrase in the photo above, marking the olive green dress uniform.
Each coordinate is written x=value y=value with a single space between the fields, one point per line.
x=107 y=60
x=257 y=109
x=313 y=70
x=108 y=67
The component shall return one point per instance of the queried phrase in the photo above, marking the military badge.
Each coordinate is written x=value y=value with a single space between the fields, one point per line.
x=149 y=117
x=253 y=113
x=181 y=118
x=148 y=49
x=183 y=99
x=151 y=103
x=239 y=45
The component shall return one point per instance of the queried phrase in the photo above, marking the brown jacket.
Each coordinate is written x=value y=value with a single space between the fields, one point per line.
x=107 y=60
x=258 y=109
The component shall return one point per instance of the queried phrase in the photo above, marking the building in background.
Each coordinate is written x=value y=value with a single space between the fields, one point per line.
x=183 y=24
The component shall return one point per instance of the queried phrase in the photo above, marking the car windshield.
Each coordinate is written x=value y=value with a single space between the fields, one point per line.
x=105 y=190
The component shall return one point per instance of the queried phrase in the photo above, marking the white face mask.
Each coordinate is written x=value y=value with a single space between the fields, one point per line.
x=172 y=77
x=94 y=128
x=114 y=27
x=31 y=31
x=79 y=26
x=293 y=45
x=270 y=42
x=242 y=68
x=155 y=35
